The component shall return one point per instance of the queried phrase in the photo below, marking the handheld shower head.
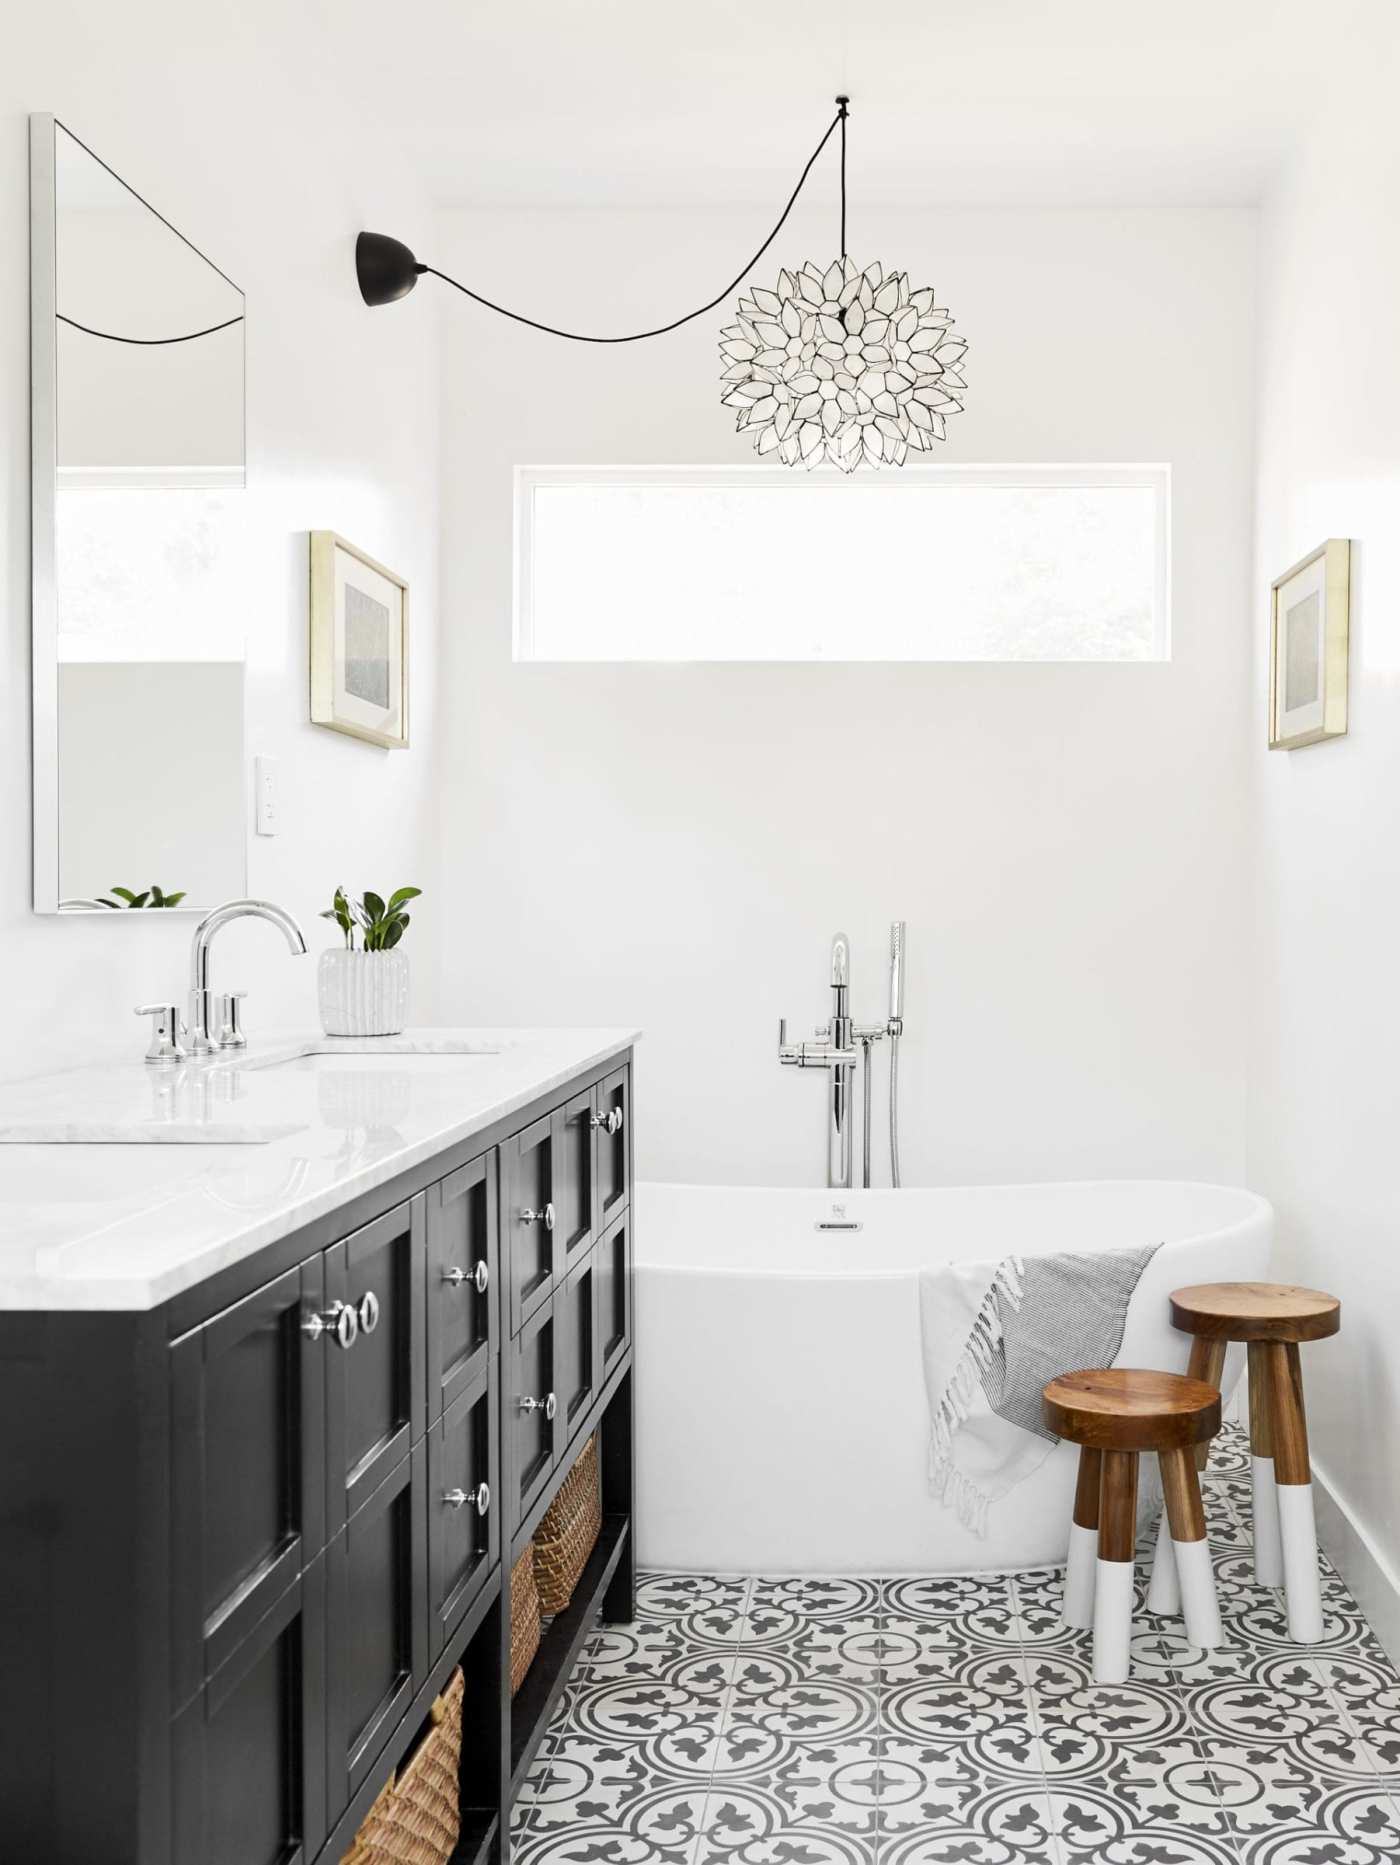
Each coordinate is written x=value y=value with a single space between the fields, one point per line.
x=896 y=973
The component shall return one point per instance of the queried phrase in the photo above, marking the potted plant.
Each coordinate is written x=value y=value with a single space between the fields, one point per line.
x=363 y=990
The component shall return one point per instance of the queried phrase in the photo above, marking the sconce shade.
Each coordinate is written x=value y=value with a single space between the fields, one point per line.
x=385 y=268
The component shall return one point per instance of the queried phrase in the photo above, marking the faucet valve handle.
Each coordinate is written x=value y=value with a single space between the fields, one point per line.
x=167 y=1027
x=228 y=1020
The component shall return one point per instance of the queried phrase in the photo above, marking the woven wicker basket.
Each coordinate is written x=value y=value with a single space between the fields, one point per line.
x=524 y=1617
x=415 y=1820
x=569 y=1532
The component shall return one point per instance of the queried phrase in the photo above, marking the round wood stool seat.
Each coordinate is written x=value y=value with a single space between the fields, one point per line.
x=1255 y=1311
x=1273 y=1319
x=1113 y=1414
x=1120 y=1408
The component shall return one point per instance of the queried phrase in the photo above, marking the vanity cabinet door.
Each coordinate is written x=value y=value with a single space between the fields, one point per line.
x=534 y=1426
x=614 y=1260
x=462 y=1281
x=530 y=1219
x=248 y=1753
x=464 y=1507
x=614 y=1134
x=576 y=1334
x=376 y=1625
x=575 y=1197
x=248 y=1484
x=376 y=1398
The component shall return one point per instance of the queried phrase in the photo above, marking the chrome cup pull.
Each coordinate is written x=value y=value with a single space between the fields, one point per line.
x=339 y=1321
x=549 y=1405
x=545 y=1217
x=369 y=1311
x=478 y=1498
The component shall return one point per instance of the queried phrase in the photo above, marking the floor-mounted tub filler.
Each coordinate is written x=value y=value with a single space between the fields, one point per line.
x=785 y=1427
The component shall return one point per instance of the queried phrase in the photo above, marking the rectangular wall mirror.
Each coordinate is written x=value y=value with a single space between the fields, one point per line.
x=137 y=357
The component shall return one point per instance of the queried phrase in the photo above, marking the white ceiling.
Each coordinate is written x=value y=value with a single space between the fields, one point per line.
x=1014 y=101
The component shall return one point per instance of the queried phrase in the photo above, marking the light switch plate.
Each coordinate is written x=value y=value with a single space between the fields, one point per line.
x=266 y=805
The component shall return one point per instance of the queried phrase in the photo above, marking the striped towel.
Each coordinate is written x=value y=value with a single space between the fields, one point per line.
x=993 y=1336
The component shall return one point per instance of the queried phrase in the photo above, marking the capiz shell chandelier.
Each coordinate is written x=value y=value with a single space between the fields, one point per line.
x=843 y=365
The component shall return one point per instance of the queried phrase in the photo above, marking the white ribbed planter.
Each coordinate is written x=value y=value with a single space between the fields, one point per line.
x=362 y=993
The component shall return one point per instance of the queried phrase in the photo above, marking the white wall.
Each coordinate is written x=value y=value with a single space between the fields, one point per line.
x=229 y=121
x=1324 y=1089
x=675 y=845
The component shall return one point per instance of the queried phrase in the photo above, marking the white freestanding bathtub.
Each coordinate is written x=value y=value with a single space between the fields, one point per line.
x=781 y=1412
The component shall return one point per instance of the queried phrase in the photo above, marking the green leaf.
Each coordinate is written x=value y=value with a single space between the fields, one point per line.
x=173 y=900
x=394 y=934
x=125 y=893
x=397 y=898
x=104 y=901
x=157 y=897
x=374 y=906
x=140 y=900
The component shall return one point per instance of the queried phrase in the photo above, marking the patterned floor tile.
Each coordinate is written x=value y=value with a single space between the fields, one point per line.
x=954 y=1720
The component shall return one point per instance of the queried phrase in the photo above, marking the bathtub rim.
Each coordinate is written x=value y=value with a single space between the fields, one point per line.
x=1257 y=1209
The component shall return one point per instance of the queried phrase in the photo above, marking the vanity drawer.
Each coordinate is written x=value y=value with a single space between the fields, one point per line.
x=248 y=1488
x=534 y=1426
x=576 y=1351
x=464 y=1507
x=463 y=1281
x=614 y=1275
x=376 y=1625
x=375 y=1388
x=532 y=1242
x=613 y=1131
x=248 y=1754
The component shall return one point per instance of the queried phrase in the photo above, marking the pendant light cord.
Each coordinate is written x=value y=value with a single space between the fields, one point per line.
x=639 y=336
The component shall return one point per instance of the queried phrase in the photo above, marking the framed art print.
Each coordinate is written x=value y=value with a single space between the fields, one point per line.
x=1308 y=648
x=359 y=644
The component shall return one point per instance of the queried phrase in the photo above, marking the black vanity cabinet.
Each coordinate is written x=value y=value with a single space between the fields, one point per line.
x=255 y=1531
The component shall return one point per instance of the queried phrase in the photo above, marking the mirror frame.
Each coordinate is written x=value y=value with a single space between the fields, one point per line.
x=43 y=480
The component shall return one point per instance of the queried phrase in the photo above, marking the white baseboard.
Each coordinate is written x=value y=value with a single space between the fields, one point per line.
x=1372 y=1580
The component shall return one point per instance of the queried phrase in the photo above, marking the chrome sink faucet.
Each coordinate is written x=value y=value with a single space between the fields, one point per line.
x=215 y=1020
x=835 y=1051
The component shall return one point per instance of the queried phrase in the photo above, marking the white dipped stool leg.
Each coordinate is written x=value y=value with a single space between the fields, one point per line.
x=1113 y=1583
x=1293 y=1479
x=1078 y=1605
x=1268 y=1547
x=1181 y=1491
x=1164 y=1589
x=1300 y=1576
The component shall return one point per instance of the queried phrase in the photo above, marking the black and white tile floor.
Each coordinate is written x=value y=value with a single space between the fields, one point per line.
x=954 y=1722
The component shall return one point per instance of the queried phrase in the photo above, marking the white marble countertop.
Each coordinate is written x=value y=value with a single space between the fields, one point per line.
x=177 y=1173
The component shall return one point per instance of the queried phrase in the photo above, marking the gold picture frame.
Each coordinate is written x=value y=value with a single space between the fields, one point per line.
x=359 y=644
x=1309 y=626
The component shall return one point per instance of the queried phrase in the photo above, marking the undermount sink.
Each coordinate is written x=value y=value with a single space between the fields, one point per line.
x=368 y=1049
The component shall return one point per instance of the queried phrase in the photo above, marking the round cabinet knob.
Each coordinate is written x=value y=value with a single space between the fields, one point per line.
x=545 y=1217
x=611 y=1122
x=369 y=1311
x=549 y=1405
x=478 y=1498
x=481 y=1276
x=339 y=1321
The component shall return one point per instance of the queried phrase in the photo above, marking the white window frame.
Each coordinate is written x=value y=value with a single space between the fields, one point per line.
x=1155 y=477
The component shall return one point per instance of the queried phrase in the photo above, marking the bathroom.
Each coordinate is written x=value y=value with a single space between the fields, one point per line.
x=1144 y=954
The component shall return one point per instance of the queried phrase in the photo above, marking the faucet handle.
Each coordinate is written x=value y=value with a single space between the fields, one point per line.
x=167 y=1027
x=228 y=1020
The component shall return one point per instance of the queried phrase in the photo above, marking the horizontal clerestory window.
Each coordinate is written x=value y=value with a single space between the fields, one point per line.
x=759 y=563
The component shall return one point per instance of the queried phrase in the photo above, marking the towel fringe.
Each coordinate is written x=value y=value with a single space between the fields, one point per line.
x=951 y=1486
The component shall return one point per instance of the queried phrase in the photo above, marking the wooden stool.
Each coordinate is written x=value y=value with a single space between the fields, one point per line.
x=1273 y=1318
x=1113 y=1414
